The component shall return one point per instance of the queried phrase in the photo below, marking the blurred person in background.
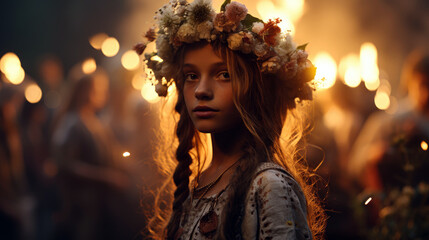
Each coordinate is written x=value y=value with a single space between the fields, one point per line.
x=376 y=159
x=89 y=175
x=390 y=161
x=39 y=169
x=15 y=202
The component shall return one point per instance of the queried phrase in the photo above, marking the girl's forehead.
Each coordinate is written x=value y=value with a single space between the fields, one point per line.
x=202 y=56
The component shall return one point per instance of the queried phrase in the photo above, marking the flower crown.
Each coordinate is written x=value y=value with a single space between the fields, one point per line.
x=180 y=22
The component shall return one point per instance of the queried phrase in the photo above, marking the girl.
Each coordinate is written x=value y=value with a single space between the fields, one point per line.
x=238 y=79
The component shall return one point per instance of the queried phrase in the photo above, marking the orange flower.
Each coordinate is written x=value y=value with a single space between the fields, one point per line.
x=270 y=32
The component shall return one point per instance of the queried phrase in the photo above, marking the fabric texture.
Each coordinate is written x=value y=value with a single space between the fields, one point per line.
x=275 y=208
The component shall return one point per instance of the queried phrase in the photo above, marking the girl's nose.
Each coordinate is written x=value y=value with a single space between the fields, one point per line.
x=204 y=90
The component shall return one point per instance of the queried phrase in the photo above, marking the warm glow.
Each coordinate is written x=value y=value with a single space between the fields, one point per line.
x=33 y=93
x=393 y=108
x=368 y=200
x=16 y=76
x=268 y=10
x=148 y=92
x=424 y=145
x=126 y=154
x=110 y=47
x=130 y=60
x=9 y=63
x=326 y=72
x=382 y=100
x=97 y=40
x=156 y=58
x=372 y=86
x=349 y=70
x=293 y=9
x=138 y=81
x=368 y=62
x=89 y=66
x=352 y=76
x=333 y=117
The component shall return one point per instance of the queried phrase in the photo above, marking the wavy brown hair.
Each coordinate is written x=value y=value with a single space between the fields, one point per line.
x=275 y=134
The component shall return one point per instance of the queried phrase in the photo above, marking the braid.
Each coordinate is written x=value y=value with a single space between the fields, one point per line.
x=185 y=133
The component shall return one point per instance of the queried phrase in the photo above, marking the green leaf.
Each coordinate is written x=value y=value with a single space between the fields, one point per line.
x=249 y=20
x=302 y=47
x=222 y=8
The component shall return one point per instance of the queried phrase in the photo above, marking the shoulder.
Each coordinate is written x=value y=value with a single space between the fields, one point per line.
x=273 y=181
x=275 y=205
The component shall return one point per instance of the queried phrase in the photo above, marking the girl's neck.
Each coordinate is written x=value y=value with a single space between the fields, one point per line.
x=227 y=146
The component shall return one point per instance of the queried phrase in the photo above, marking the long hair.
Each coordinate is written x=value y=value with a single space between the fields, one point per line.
x=264 y=110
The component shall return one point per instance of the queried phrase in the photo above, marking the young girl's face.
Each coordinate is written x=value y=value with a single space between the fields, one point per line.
x=208 y=92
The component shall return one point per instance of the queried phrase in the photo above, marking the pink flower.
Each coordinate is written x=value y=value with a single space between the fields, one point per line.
x=222 y=23
x=235 y=11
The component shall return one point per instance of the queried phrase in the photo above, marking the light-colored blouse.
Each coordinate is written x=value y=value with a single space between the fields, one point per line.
x=275 y=208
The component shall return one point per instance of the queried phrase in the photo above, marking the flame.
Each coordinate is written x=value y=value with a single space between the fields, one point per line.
x=326 y=72
x=33 y=93
x=89 y=66
x=130 y=60
x=148 y=92
x=368 y=62
x=97 y=40
x=126 y=154
x=382 y=100
x=424 y=145
x=110 y=47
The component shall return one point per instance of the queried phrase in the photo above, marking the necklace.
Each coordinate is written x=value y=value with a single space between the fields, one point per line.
x=207 y=187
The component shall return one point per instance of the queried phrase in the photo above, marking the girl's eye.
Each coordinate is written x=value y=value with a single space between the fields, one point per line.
x=223 y=76
x=191 y=77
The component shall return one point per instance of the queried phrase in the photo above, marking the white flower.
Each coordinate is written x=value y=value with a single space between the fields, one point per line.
x=200 y=11
x=204 y=30
x=187 y=33
x=168 y=21
x=257 y=27
x=285 y=47
x=234 y=41
x=260 y=49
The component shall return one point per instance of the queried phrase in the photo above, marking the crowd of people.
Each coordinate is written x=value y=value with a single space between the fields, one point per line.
x=63 y=174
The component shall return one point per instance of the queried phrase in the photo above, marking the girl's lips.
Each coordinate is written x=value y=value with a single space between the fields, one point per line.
x=204 y=112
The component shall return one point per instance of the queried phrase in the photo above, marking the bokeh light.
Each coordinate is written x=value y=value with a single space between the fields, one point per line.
x=368 y=62
x=326 y=72
x=10 y=65
x=130 y=60
x=148 y=92
x=372 y=86
x=97 y=40
x=267 y=10
x=424 y=145
x=89 y=66
x=110 y=47
x=382 y=100
x=33 y=93
x=138 y=81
